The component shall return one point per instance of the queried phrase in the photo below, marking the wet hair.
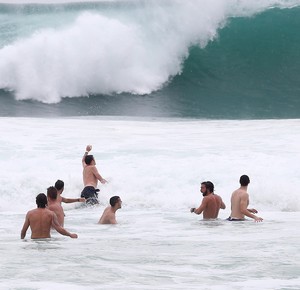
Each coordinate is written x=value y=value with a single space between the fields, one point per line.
x=88 y=159
x=209 y=185
x=113 y=200
x=244 y=180
x=52 y=192
x=41 y=200
x=59 y=184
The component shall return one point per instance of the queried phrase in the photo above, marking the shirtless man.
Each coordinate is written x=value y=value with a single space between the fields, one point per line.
x=90 y=177
x=60 y=186
x=109 y=214
x=211 y=203
x=240 y=202
x=54 y=205
x=40 y=221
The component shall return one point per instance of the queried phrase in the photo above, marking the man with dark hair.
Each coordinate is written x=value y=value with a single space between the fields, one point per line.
x=211 y=203
x=240 y=202
x=40 y=221
x=54 y=205
x=90 y=177
x=60 y=186
x=109 y=214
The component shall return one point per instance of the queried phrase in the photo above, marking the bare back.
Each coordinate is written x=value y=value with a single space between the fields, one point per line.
x=239 y=199
x=108 y=216
x=90 y=176
x=40 y=221
x=219 y=203
x=58 y=210
x=211 y=209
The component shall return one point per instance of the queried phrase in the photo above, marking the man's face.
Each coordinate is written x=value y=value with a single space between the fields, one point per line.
x=120 y=202
x=203 y=190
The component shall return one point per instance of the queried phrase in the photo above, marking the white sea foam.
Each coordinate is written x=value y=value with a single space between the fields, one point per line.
x=152 y=164
x=156 y=167
x=136 y=49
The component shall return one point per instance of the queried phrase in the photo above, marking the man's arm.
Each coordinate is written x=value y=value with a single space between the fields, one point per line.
x=25 y=227
x=200 y=209
x=98 y=176
x=71 y=200
x=253 y=210
x=223 y=206
x=60 y=229
x=243 y=208
x=87 y=150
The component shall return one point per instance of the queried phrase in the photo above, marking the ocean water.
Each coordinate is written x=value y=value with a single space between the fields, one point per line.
x=223 y=59
x=156 y=166
x=170 y=94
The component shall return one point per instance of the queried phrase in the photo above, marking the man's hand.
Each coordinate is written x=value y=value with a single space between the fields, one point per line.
x=73 y=236
x=193 y=209
x=103 y=181
x=88 y=148
x=258 y=219
x=253 y=210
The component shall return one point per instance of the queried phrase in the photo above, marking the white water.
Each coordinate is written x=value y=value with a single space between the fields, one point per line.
x=156 y=167
x=134 y=47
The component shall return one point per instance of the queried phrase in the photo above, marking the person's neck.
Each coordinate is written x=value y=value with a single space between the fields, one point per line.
x=114 y=208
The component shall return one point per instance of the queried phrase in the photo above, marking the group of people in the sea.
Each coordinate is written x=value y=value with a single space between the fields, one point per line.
x=50 y=214
x=212 y=203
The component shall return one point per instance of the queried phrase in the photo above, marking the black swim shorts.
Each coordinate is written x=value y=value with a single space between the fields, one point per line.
x=234 y=219
x=90 y=194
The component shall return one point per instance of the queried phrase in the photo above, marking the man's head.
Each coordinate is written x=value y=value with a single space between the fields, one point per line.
x=244 y=180
x=89 y=159
x=52 y=193
x=207 y=187
x=210 y=186
x=59 y=184
x=41 y=200
x=115 y=200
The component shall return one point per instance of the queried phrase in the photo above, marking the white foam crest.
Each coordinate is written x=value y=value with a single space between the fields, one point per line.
x=136 y=50
x=152 y=164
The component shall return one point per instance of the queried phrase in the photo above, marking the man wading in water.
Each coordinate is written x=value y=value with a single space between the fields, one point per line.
x=90 y=177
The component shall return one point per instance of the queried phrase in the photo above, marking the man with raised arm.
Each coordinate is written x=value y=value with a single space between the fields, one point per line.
x=40 y=221
x=211 y=203
x=90 y=177
x=240 y=202
x=109 y=214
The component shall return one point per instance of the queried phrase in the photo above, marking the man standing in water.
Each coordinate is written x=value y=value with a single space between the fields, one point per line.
x=60 y=186
x=90 y=177
x=211 y=203
x=40 y=221
x=109 y=214
x=240 y=202
x=54 y=205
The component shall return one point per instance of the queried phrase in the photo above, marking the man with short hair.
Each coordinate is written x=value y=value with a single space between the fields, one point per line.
x=40 y=221
x=60 y=186
x=240 y=202
x=90 y=177
x=54 y=205
x=211 y=203
x=109 y=214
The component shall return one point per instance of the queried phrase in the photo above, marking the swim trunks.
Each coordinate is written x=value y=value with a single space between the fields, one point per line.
x=90 y=194
x=232 y=219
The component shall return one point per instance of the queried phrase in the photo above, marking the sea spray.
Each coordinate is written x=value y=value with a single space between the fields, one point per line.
x=106 y=49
